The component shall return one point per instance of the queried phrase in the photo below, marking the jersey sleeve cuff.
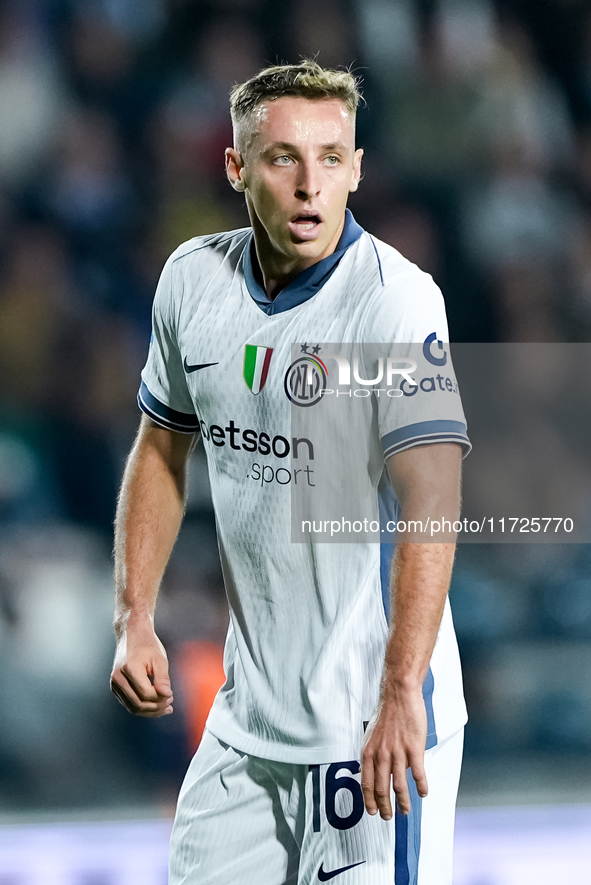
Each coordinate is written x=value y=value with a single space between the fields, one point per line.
x=163 y=415
x=423 y=433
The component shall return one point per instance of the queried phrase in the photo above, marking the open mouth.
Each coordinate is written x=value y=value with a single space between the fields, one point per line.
x=305 y=224
x=307 y=221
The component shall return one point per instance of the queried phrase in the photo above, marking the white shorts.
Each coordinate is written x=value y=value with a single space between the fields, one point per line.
x=242 y=820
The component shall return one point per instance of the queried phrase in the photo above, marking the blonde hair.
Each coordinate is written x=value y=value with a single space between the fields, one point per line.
x=304 y=80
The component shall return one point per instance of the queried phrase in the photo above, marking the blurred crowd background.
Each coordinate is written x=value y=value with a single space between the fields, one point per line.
x=113 y=121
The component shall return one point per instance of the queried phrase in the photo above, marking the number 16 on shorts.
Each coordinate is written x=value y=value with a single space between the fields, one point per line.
x=343 y=798
x=342 y=842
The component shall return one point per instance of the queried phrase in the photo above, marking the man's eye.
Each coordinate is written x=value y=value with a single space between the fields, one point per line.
x=282 y=160
x=332 y=160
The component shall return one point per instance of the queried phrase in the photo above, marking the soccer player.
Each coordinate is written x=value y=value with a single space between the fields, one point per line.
x=333 y=749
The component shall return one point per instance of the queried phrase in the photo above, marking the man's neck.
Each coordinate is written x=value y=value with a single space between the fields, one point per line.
x=274 y=271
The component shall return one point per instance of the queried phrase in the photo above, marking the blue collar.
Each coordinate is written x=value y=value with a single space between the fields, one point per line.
x=309 y=281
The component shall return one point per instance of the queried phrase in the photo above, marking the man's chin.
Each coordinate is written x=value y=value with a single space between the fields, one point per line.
x=312 y=250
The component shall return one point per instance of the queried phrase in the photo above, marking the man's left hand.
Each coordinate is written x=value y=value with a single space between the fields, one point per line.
x=394 y=741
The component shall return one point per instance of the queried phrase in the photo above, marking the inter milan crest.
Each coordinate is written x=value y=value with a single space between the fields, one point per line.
x=256 y=366
x=305 y=380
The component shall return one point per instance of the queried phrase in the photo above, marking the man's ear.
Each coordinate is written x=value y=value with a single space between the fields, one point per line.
x=357 y=176
x=235 y=169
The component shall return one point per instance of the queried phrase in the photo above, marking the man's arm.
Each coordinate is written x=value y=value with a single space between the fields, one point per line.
x=149 y=515
x=426 y=480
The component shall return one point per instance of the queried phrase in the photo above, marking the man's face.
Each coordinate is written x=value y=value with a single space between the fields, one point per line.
x=300 y=165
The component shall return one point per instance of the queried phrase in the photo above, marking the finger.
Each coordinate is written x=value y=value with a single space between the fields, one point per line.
x=141 y=708
x=418 y=772
x=400 y=784
x=367 y=782
x=125 y=694
x=382 y=782
x=137 y=676
x=155 y=714
x=161 y=678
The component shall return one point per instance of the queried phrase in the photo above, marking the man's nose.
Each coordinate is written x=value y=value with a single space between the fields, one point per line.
x=308 y=182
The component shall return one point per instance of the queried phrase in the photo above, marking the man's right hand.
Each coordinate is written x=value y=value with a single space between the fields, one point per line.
x=140 y=679
x=149 y=515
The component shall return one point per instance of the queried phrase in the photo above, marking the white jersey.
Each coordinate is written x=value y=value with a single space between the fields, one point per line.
x=305 y=646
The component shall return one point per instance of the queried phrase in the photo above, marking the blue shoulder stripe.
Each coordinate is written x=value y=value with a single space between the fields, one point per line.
x=425 y=432
x=163 y=415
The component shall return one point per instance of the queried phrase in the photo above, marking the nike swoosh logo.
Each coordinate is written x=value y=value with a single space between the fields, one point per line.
x=190 y=369
x=324 y=875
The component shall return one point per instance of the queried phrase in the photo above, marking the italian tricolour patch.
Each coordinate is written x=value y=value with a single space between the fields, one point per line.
x=256 y=366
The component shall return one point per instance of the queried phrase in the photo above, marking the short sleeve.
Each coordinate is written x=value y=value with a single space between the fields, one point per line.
x=164 y=395
x=421 y=404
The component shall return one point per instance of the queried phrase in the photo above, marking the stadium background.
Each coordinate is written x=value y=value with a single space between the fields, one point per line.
x=113 y=121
